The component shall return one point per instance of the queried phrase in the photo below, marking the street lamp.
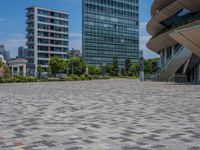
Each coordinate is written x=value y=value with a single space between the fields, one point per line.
x=141 y=68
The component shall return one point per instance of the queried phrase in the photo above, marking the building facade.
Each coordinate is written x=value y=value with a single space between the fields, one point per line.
x=22 y=52
x=17 y=67
x=110 y=29
x=3 y=61
x=74 y=53
x=175 y=29
x=2 y=49
x=6 y=54
x=47 y=36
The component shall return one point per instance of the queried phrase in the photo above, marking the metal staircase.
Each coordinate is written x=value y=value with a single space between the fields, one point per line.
x=173 y=63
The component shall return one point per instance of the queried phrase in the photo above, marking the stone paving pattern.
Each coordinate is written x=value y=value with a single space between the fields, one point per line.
x=117 y=114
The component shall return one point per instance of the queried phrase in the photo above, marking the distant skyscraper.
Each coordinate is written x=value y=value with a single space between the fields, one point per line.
x=2 y=49
x=47 y=36
x=110 y=28
x=141 y=54
x=6 y=55
x=22 y=52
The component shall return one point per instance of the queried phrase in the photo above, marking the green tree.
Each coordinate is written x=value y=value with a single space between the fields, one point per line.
x=39 y=71
x=135 y=70
x=1 y=63
x=57 y=65
x=94 y=70
x=123 y=71
x=150 y=66
x=115 y=67
x=76 y=66
x=6 y=70
x=128 y=65
x=107 y=70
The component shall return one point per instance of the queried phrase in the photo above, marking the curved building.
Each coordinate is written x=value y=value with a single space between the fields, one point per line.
x=175 y=30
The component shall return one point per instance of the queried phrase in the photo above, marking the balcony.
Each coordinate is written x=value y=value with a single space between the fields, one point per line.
x=29 y=43
x=29 y=28
x=29 y=21
x=30 y=13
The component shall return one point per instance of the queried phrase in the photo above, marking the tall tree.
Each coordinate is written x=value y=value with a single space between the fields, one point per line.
x=115 y=66
x=1 y=63
x=151 y=66
x=128 y=65
x=76 y=65
x=57 y=65
x=94 y=70
x=39 y=71
x=135 y=70
x=6 y=70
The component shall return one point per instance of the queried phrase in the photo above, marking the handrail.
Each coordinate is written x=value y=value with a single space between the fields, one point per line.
x=169 y=60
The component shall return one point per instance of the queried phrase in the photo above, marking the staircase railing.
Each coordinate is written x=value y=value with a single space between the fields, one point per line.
x=169 y=60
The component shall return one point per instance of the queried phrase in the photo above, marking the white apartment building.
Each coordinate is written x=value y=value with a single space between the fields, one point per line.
x=47 y=36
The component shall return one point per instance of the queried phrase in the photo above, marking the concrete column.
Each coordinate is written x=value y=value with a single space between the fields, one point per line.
x=18 y=68
x=24 y=68
x=162 y=58
x=12 y=71
x=165 y=55
x=198 y=73
x=173 y=50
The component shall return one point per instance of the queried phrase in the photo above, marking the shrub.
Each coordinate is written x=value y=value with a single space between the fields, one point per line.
x=2 y=80
x=94 y=70
x=95 y=77
x=18 y=79
x=105 y=77
x=68 y=79
x=45 y=79
x=83 y=77
x=75 y=77
x=88 y=77
x=31 y=79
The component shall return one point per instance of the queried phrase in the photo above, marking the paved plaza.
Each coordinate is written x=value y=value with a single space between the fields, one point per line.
x=116 y=114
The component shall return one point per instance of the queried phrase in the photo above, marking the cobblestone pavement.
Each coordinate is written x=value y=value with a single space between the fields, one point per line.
x=115 y=114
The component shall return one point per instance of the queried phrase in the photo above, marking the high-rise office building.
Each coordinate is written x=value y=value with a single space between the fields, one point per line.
x=110 y=29
x=22 y=52
x=47 y=36
x=6 y=55
x=2 y=49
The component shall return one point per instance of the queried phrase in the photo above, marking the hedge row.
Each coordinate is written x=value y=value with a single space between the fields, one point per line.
x=85 y=77
x=21 y=79
x=18 y=79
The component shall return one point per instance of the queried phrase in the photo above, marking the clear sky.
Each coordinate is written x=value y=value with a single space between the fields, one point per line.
x=12 y=22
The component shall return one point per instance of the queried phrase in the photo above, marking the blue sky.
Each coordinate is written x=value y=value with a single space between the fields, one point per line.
x=12 y=22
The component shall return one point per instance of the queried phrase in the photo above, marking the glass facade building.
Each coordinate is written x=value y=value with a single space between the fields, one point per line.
x=110 y=29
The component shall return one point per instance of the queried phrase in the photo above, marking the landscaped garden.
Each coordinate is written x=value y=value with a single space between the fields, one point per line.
x=76 y=69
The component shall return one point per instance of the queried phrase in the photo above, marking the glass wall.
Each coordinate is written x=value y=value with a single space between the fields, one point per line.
x=110 y=28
